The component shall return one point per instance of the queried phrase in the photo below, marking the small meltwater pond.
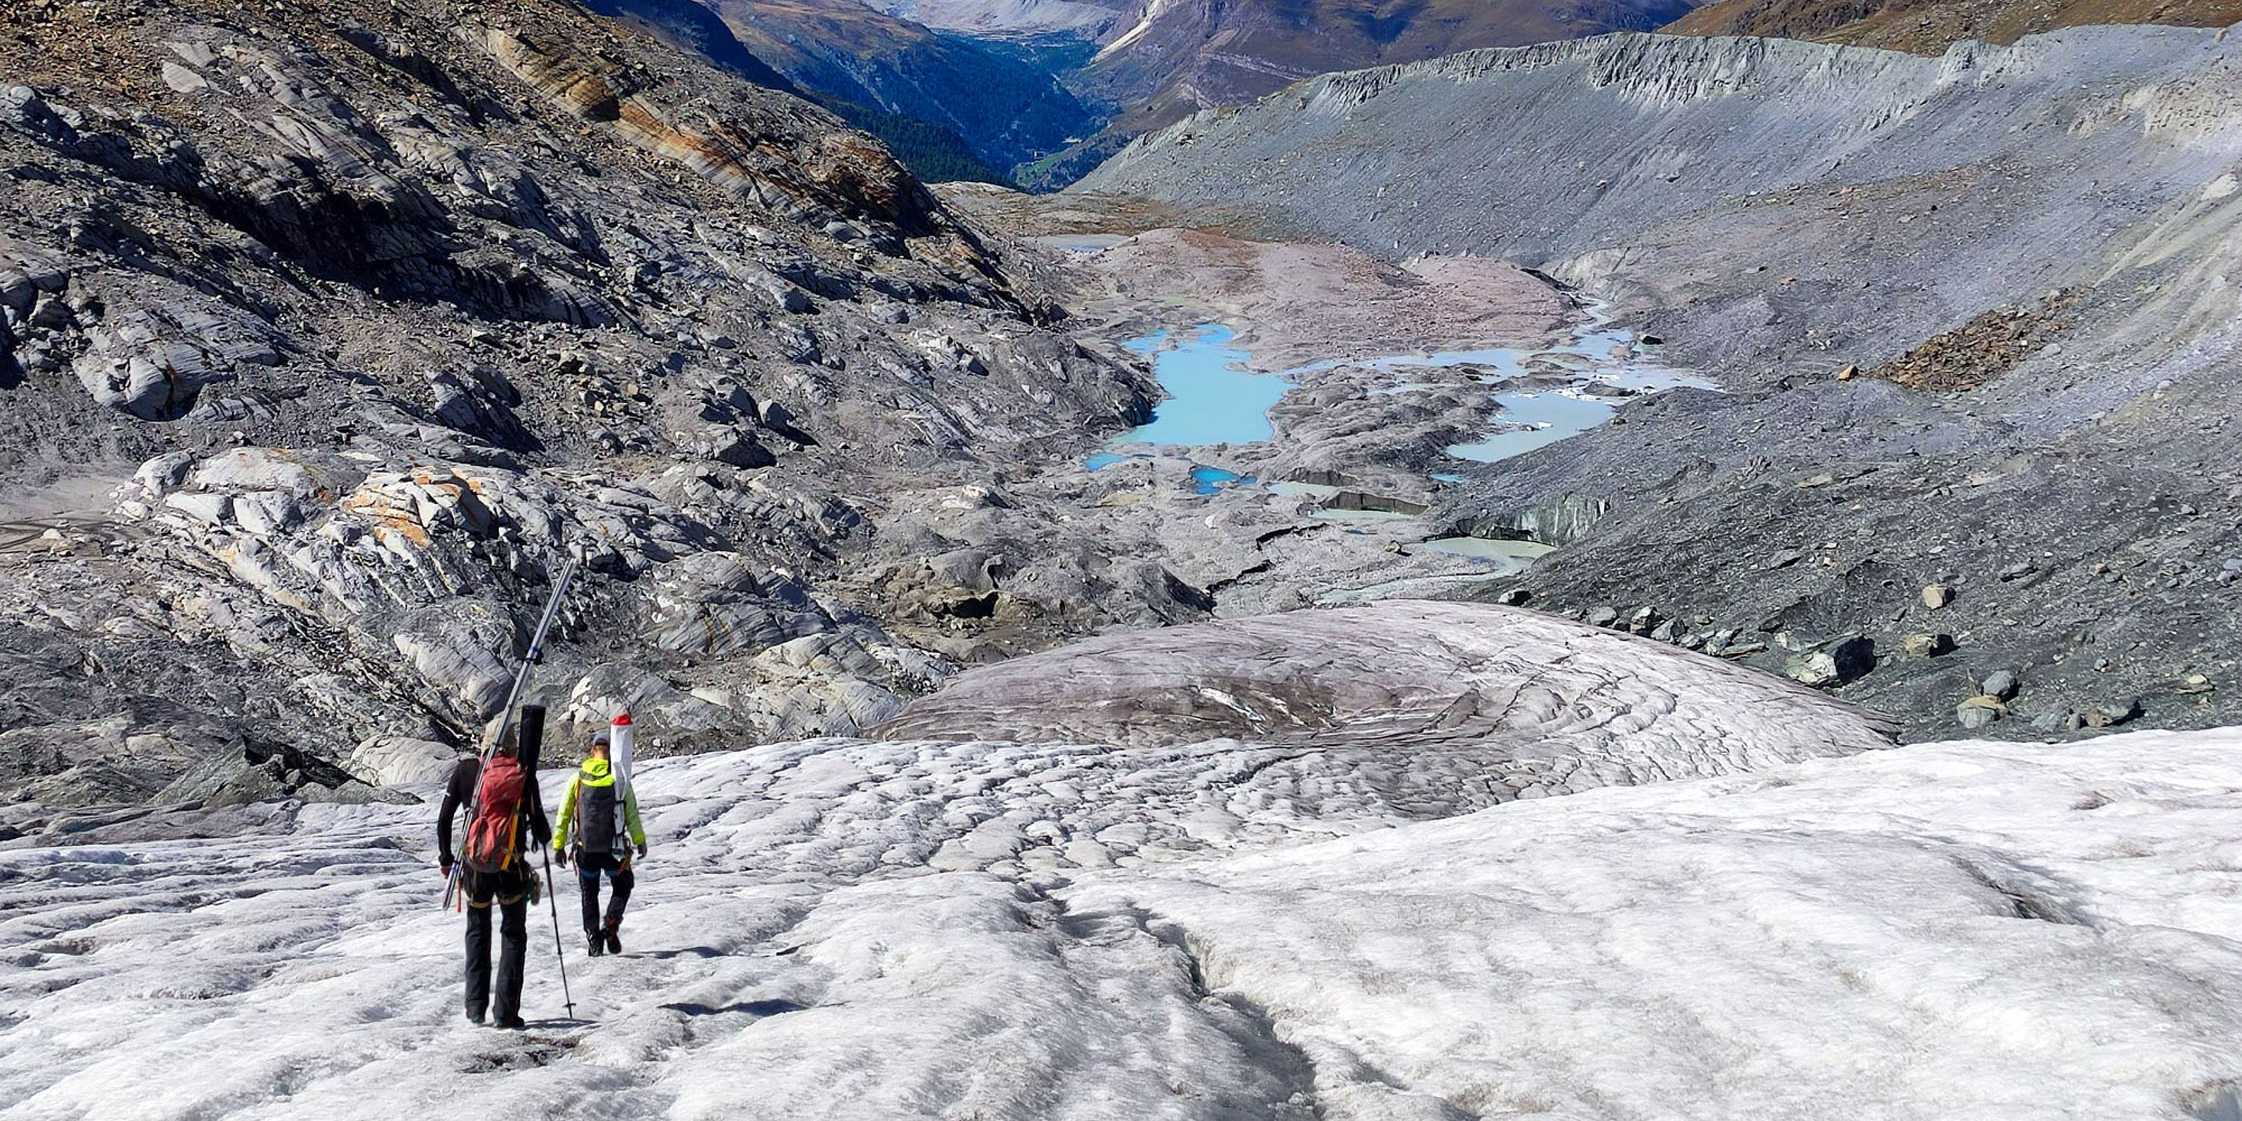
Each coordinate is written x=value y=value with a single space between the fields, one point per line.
x=1084 y=244
x=1208 y=480
x=1552 y=415
x=1504 y=553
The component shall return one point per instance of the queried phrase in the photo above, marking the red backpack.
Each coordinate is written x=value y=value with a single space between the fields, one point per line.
x=494 y=833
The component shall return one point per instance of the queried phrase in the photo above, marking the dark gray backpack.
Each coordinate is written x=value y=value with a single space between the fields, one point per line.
x=595 y=812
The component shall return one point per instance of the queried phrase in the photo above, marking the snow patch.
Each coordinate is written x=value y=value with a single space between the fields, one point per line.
x=1933 y=931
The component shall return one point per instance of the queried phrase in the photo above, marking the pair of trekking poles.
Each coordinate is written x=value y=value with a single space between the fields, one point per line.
x=452 y=885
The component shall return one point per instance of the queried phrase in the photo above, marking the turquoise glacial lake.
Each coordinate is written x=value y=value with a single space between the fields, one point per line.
x=1214 y=397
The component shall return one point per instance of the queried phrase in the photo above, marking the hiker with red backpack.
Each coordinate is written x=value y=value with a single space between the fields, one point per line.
x=506 y=820
x=599 y=827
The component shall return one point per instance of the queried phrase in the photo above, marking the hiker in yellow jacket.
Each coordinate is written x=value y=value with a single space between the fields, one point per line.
x=598 y=829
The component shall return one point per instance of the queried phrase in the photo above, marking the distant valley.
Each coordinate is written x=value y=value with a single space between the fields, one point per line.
x=1038 y=93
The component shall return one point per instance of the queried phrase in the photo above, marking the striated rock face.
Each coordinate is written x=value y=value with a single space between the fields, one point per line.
x=2024 y=255
x=332 y=330
x=820 y=176
x=151 y=362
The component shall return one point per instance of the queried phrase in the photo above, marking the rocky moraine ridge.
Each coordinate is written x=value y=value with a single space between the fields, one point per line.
x=329 y=331
x=1975 y=320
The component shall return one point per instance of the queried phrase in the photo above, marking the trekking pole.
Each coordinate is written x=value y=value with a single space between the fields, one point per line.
x=532 y=741
x=513 y=693
x=558 y=955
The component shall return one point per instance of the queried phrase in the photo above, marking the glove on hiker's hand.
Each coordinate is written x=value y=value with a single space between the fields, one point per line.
x=642 y=848
x=444 y=863
x=561 y=855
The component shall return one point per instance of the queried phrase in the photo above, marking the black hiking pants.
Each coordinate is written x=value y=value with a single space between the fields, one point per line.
x=589 y=866
x=510 y=894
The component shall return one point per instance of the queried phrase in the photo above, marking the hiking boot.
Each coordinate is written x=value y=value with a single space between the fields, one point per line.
x=475 y=1018
x=614 y=938
x=512 y=1023
x=594 y=943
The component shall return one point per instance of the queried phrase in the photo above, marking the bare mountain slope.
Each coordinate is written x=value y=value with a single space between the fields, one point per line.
x=1222 y=52
x=1655 y=162
x=1174 y=57
x=1930 y=26
x=2041 y=235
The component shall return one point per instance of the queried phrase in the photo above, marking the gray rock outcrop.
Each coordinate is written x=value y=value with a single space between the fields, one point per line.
x=333 y=331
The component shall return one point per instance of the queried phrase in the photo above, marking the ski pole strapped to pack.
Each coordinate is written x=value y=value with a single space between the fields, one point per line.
x=497 y=735
x=535 y=651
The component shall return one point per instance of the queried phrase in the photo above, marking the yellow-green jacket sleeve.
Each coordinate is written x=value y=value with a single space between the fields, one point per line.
x=567 y=815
